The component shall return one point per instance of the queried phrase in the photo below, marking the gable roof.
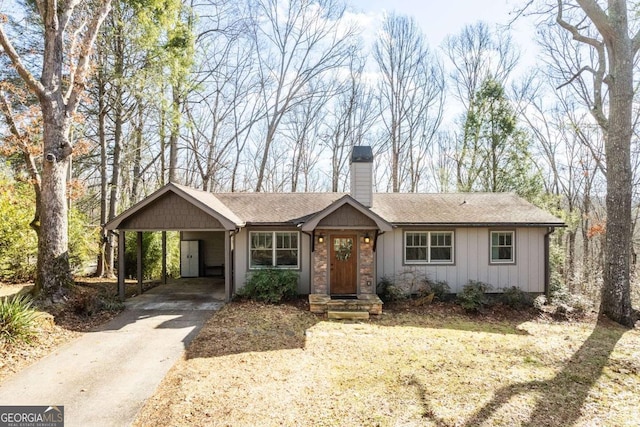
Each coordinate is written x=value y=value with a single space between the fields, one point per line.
x=202 y=200
x=345 y=200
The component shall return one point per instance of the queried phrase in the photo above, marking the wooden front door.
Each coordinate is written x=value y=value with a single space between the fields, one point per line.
x=343 y=262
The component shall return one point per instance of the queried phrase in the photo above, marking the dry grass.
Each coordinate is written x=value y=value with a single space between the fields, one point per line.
x=280 y=365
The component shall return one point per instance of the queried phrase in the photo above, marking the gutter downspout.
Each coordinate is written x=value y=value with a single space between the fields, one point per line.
x=547 y=266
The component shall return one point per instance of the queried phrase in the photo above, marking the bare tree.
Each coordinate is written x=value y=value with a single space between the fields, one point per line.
x=70 y=30
x=604 y=79
x=348 y=121
x=297 y=41
x=412 y=97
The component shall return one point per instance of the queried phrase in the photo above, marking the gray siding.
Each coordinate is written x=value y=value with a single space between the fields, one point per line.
x=170 y=212
x=472 y=260
x=241 y=262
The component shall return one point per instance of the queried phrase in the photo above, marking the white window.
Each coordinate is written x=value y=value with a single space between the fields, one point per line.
x=502 y=247
x=428 y=247
x=273 y=249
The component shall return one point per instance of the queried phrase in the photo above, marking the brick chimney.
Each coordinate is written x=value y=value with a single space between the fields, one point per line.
x=362 y=175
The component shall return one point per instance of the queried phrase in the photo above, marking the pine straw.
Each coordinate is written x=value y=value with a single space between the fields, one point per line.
x=254 y=364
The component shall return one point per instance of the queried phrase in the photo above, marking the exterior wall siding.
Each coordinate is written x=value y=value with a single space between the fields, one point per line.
x=171 y=212
x=471 y=260
x=347 y=216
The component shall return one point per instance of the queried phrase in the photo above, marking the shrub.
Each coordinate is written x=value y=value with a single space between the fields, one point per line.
x=473 y=295
x=515 y=298
x=440 y=289
x=17 y=318
x=83 y=241
x=18 y=241
x=271 y=285
x=91 y=303
x=152 y=255
x=388 y=291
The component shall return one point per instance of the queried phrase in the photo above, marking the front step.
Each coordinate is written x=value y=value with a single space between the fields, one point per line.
x=348 y=315
x=365 y=303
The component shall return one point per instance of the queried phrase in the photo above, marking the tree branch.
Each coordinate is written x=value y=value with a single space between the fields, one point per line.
x=574 y=30
x=576 y=75
x=82 y=67
x=31 y=81
x=599 y=18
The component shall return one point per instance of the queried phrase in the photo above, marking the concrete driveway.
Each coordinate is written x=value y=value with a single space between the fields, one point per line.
x=104 y=377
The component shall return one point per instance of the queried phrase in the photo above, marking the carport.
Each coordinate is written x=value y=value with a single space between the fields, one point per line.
x=178 y=208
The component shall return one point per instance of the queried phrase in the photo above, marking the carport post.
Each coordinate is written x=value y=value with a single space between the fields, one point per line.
x=227 y=267
x=164 y=257
x=121 y=264
x=139 y=256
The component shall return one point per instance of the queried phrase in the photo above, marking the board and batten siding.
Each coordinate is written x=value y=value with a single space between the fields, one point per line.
x=471 y=262
x=241 y=254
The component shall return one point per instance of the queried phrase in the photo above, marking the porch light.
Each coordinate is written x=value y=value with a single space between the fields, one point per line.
x=367 y=239
x=321 y=239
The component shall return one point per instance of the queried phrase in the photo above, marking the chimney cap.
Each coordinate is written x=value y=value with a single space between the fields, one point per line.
x=362 y=154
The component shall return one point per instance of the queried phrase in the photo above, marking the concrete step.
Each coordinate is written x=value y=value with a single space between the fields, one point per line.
x=349 y=315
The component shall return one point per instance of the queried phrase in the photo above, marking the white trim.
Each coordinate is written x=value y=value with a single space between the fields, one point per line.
x=274 y=250
x=428 y=247
x=513 y=248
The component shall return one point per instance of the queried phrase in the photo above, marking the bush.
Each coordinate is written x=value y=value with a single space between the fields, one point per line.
x=152 y=255
x=440 y=289
x=18 y=241
x=91 y=303
x=388 y=291
x=515 y=298
x=17 y=318
x=83 y=241
x=271 y=285
x=473 y=295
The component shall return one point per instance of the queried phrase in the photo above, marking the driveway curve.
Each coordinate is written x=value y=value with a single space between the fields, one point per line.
x=104 y=377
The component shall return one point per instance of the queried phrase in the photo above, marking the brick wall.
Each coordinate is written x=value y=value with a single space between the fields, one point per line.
x=367 y=282
x=320 y=277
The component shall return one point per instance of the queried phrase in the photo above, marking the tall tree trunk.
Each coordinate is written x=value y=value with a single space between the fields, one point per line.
x=53 y=272
x=102 y=269
x=137 y=155
x=616 y=296
x=175 y=132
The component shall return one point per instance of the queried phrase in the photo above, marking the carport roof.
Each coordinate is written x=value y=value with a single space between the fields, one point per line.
x=205 y=201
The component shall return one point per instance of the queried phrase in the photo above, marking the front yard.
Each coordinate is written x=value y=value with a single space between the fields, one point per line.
x=254 y=364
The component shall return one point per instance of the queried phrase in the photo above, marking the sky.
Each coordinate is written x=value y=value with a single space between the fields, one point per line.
x=439 y=18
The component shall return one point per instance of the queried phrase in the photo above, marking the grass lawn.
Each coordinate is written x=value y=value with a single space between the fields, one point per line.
x=254 y=364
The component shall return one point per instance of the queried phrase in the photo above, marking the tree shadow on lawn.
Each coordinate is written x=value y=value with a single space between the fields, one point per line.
x=563 y=396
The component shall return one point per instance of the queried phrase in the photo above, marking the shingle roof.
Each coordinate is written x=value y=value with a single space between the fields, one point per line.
x=396 y=208
x=274 y=208
x=459 y=208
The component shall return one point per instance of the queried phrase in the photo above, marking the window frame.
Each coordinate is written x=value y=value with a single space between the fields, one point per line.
x=274 y=249
x=510 y=261
x=428 y=247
